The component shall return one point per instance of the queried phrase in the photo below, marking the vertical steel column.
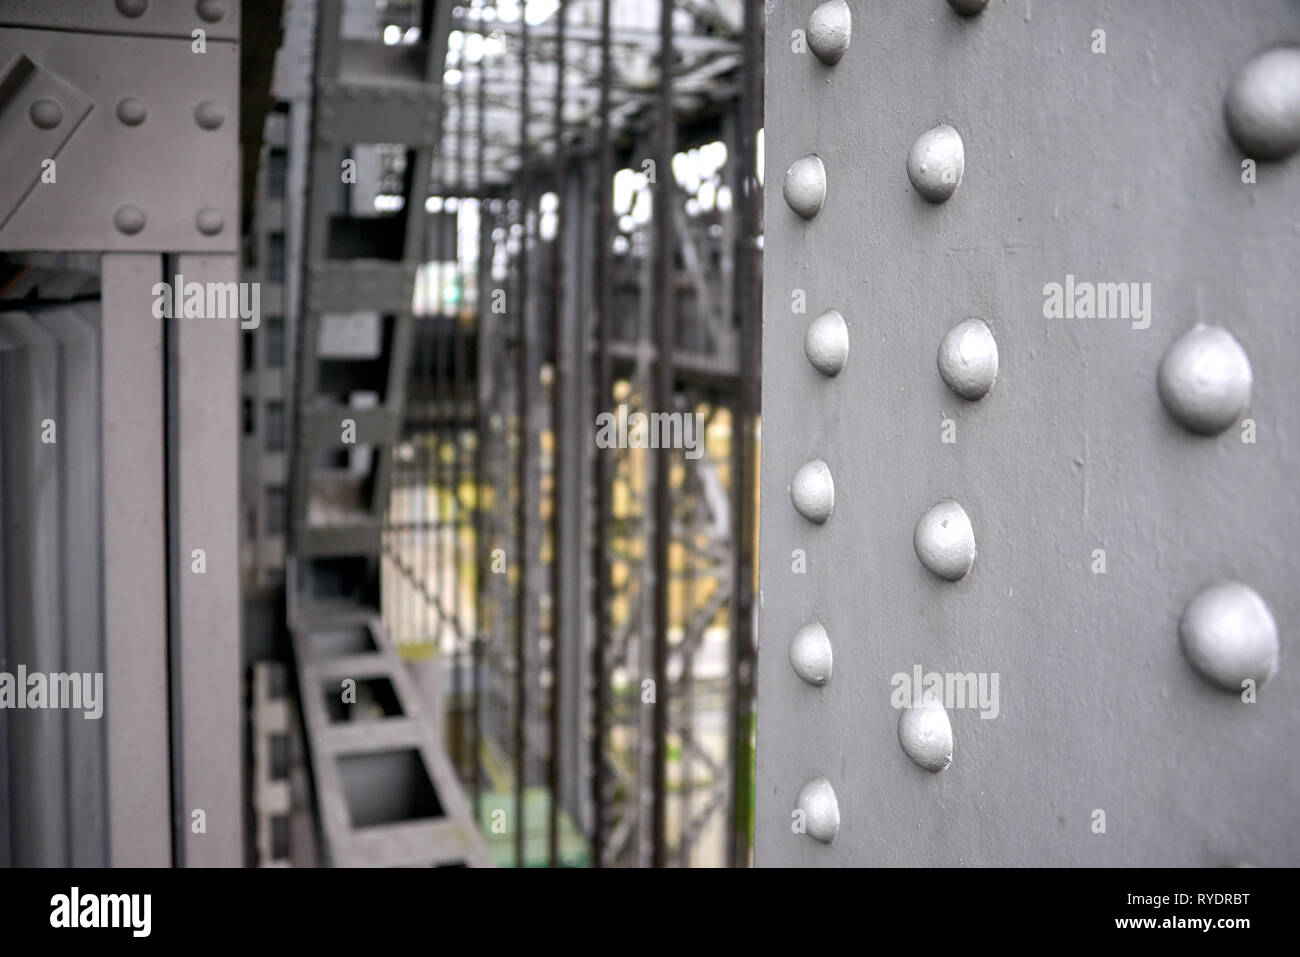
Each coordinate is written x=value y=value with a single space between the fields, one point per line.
x=558 y=470
x=666 y=291
x=744 y=468
x=604 y=473
x=135 y=591
x=523 y=450
x=458 y=358
x=203 y=426
x=480 y=422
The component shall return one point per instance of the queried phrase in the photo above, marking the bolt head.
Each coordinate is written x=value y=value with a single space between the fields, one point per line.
x=211 y=10
x=1262 y=106
x=1229 y=635
x=936 y=163
x=830 y=29
x=968 y=359
x=925 y=734
x=1205 y=380
x=813 y=491
x=132 y=8
x=826 y=343
x=46 y=113
x=131 y=111
x=805 y=186
x=810 y=654
x=821 y=810
x=209 y=115
x=945 y=541
x=968 y=8
x=129 y=219
x=209 y=221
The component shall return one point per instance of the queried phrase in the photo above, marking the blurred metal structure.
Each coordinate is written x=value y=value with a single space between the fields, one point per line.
x=385 y=790
x=590 y=711
x=1087 y=497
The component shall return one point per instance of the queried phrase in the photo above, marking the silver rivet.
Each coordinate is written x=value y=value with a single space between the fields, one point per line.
x=821 y=810
x=936 y=162
x=829 y=30
x=46 y=114
x=209 y=115
x=813 y=491
x=968 y=8
x=944 y=540
x=209 y=221
x=211 y=10
x=968 y=359
x=131 y=111
x=925 y=734
x=810 y=654
x=1262 y=106
x=1205 y=380
x=826 y=343
x=129 y=219
x=132 y=8
x=1229 y=635
x=805 y=186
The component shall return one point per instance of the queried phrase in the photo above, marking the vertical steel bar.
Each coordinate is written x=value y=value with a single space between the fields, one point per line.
x=748 y=279
x=665 y=285
x=135 y=597
x=458 y=354
x=481 y=553
x=524 y=450
x=604 y=474
x=559 y=471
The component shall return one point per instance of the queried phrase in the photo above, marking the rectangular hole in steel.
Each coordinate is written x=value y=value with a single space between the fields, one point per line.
x=337 y=642
x=279 y=837
x=375 y=699
x=278 y=745
x=387 y=787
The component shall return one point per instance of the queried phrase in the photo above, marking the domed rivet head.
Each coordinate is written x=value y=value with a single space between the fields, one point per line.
x=968 y=359
x=1205 y=380
x=945 y=541
x=936 y=163
x=209 y=221
x=925 y=734
x=829 y=30
x=46 y=114
x=968 y=8
x=810 y=654
x=131 y=111
x=813 y=491
x=209 y=115
x=821 y=810
x=132 y=8
x=211 y=10
x=805 y=186
x=1262 y=107
x=826 y=343
x=129 y=219
x=1229 y=635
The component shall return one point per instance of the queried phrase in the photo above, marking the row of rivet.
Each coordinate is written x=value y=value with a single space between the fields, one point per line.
x=209 y=10
x=1204 y=381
